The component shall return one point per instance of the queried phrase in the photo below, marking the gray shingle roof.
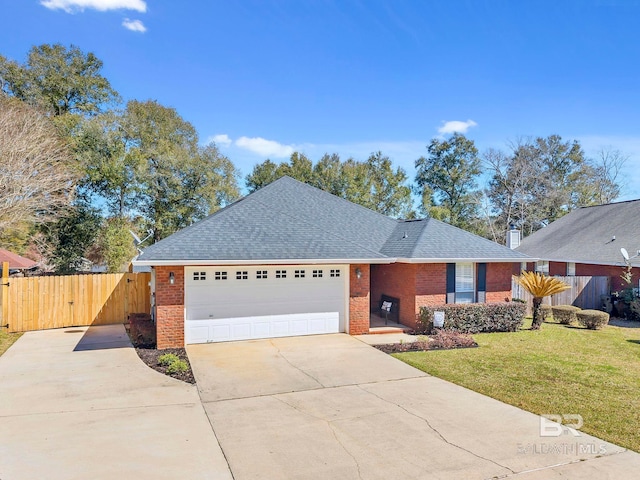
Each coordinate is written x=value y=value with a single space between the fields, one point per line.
x=431 y=239
x=585 y=235
x=289 y=220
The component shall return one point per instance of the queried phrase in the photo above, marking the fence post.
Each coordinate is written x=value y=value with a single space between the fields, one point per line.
x=4 y=295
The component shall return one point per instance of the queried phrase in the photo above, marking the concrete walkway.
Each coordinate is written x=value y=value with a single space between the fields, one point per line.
x=78 y=403
x=331 y=406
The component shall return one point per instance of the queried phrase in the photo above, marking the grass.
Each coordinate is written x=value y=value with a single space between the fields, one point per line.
x=557 y=370
x=7 y=339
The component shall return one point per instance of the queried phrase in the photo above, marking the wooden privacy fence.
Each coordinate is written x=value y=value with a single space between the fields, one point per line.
x=585 y=292
x=38 y=303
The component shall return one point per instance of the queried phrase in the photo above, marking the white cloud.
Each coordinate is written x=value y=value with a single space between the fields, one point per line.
x=134 y=25
x=264 y=147
x=456 y=126
x=221 y=139
x=71 y=6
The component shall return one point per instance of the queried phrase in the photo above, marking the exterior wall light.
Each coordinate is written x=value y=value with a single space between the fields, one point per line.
x=358 y=273
x=172 y=278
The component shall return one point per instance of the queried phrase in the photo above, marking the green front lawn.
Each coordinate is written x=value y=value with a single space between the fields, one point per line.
x=7 y=339
x=557 y=370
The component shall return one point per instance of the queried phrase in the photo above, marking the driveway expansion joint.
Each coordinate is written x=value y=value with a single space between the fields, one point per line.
x=548 y=467
x=333 y=432
x=215 y=435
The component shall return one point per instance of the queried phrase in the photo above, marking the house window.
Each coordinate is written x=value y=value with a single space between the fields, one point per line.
x=221 y=276
x=281 y=274
x=199 y=275
x=261 y=274
x=242 y=275
x=571 y=269
x=334 y=273
x=317 y=274
x=299 y=274
x=465 y=292
x=542 y=266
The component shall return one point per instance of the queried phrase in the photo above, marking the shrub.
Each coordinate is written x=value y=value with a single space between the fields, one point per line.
x=177 y=366
x=167 y=359
x=450 y=339
x=593 y=319
x=565 y=314
x=475 y=317
x=634 y=310
x=547 y=314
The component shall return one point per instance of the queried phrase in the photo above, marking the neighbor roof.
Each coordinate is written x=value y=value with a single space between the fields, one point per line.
x=16 y=262
x=288 y=221
x=589 y=235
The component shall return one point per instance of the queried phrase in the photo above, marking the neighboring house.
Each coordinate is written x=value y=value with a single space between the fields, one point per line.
x=587 y=241
x=290 y=259
x=17 y=264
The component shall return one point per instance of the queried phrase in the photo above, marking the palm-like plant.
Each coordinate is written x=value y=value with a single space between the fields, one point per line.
x=540 y=286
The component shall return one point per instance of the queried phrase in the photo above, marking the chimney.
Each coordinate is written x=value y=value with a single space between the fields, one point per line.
x=513 y=237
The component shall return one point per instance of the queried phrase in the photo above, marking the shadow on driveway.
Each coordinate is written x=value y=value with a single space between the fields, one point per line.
x=103 y=338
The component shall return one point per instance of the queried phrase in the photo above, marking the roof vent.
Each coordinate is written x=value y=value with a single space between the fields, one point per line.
x=405 y=235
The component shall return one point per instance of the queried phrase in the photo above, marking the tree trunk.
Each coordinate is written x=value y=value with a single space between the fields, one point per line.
x=538 y=316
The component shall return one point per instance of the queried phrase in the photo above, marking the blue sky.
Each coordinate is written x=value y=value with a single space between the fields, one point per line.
x=267 y=77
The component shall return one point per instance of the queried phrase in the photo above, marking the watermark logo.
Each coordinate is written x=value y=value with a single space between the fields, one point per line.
x=554 y=425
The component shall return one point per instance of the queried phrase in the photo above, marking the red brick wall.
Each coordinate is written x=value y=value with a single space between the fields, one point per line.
x=515 y=268
x=431 y=286
x=611 y=271
x=499 y=281
x=396 y=280
x=169 y=308
x=558 y=268
x=359 y=299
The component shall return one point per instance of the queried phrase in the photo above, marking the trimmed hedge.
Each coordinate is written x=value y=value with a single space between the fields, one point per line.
x=593 y=319
x=474 y=317
x=565 y=314
x=547 y=314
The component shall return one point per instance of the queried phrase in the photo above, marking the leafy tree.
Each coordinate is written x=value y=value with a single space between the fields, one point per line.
x=71 y=236
x=177 y=182
x=298 y=167
x=376 y=185
x=58 y=79
x=217 y=181
x=110 y=170
x=116 y=244
x=373 y=184
x=447 y=180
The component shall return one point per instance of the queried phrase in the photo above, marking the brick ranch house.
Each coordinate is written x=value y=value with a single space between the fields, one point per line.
x=587 y=241
x=290 y=259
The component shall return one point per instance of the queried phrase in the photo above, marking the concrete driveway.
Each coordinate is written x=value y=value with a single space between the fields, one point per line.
x=78 y=403
x=333 y=407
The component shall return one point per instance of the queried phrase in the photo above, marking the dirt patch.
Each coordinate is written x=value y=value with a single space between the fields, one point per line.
x=441 y=340
x=150 y=357
x=142 y=332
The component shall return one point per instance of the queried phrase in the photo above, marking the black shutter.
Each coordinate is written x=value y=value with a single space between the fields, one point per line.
x=481 y=282
x=451 y=283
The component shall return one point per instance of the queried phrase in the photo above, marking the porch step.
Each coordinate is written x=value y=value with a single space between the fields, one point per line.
x=386 y=330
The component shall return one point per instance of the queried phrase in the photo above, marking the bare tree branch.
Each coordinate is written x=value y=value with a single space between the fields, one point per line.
x=36 y=179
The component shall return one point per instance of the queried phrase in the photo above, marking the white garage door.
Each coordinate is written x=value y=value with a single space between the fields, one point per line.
x=240 y=303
